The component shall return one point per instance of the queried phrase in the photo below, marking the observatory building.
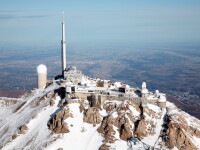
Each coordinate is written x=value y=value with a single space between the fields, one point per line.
x=41 y=76
x=73 y=75
x=77 y=86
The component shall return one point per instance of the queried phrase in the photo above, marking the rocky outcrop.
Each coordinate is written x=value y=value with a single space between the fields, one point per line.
x=92 y=116
x=178 y=138
x=104 y=147
x=22 y=129
x=52 y=102
x=126 y=131
x=57 y=123
x=108 y=132
x=178 y=132
x=96 y=103
x=141 y=129
x=109 y=106
x=121 y=121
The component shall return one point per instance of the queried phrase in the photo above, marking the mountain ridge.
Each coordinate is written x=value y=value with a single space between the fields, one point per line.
x=42 y=119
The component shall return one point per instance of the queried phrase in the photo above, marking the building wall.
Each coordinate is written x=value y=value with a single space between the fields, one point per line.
x=42 y=80
x=102 y=98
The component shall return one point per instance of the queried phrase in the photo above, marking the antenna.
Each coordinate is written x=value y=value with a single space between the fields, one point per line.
x=63 y=16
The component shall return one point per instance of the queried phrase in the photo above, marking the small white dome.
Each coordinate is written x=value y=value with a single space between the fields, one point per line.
x=162 y=98
x=127 y=86
x=144 y=91
x=156 y=91
x=41 y=68
x=144 y=86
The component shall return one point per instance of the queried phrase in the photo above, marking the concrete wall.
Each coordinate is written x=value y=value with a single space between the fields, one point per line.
x=42 y=80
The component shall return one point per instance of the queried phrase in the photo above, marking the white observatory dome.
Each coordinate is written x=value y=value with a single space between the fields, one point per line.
x=144 y=86
x=41 y=68
x=162 y=98
x=156 y=91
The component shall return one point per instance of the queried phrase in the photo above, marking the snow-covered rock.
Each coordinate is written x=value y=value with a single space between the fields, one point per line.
x=42 y=120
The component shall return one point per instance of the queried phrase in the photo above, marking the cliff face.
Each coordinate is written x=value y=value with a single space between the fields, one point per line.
x=41 y=120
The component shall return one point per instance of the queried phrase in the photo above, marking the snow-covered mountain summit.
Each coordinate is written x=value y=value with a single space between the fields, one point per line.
x=95 y=115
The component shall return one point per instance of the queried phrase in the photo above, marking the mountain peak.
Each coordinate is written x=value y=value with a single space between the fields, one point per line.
x=95 y=114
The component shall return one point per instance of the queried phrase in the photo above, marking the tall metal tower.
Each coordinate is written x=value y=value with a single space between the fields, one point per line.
x=63 y=46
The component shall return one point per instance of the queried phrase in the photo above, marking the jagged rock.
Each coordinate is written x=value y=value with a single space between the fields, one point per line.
x=52 y=102
x=196 y=132
x=92 y=116
x=43 y=98
x=57 y=124
x=122 y=121
x=100 y=83
x=126 y=132
x=48 y=95
x=109 y=106
x=81 y=107
x=60 y=104
x=14 y=136
x=55 y=95
x=109 y=134
x=96 y=103
x=177 y=138
x=22 y=129
x=104 y=147
x=141 y=129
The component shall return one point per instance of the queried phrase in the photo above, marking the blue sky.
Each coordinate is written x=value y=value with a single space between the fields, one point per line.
x=90 y=22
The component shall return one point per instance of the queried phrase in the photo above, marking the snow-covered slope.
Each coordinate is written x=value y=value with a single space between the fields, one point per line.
x=42 y=120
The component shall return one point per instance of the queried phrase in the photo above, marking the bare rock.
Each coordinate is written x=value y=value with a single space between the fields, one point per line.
x=109 y=106
x=126 y=132
x=177 y=138
x=55 y=95
x=196 y=132
x=57 y=124
x=22 y=129
x=96 y=103
x=141 y=129
x=104 y=147
x=92 y=116
x=109 y=134
x=50 y=94
x=14 y=136
x=81 y=107
x=52 y=102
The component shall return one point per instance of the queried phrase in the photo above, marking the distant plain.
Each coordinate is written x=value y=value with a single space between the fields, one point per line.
x=175 y=71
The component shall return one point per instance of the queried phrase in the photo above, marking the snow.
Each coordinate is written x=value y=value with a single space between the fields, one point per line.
x=22 y=116
x=41 y=69
x=152 y=139
x=114 y=114
x=82 y=136
x=35 y=126
x=80 y=132
x=118 y=84
x=171 y=108
x=119 y=145
x=154 y=107
x=134 y=111
x=162 y=98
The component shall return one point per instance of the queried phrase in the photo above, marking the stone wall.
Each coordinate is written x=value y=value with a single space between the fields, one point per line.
x=102 y=98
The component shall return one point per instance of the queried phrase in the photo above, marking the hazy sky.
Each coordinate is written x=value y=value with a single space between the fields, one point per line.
x=92 y=22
